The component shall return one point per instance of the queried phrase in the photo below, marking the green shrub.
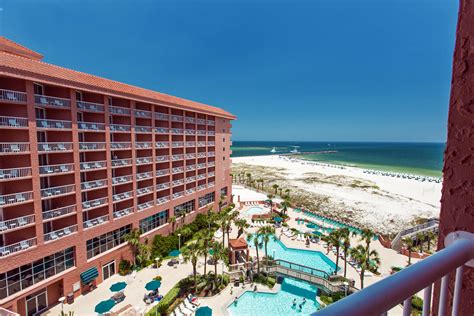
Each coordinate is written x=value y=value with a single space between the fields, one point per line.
x=226 y=279
x=158 y=278
x=271 y=282
x=417 y=303
x=166 y=301
x=124 y=267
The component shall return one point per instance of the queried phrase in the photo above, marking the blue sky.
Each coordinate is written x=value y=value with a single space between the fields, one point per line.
x=347 y=70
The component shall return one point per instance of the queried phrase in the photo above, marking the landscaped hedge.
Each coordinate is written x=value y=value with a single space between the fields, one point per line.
x=166 y=301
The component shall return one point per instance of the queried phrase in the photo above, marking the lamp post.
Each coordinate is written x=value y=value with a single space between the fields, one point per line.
x=157 y=259
x=179 y=241
x=61 y=300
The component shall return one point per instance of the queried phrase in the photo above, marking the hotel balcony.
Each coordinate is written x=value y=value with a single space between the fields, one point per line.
x=91 y=146
x=190 y=132
x=60 y=233
x=122 y=196
x=13 y=122
x=201 y=144
x=120 y=128
x=143 y=145
x=121 y=163
x=190 y=144
x=17 y=247
x=144 y=175
x=201 y=165
x=211 y=133
x=120 y=145
x=12 y=96
x=14 y=148
x=201 y=132
x=161 y=116
x=190 y=191
x=211 y=143
x=15 y=173
x=89 y=126
x=124 y=212
x=177 y=144
x=211 y=123
x=143 y=160
x=178 y=195
x=201 y=187
x=144 y=206
x=163 y=158
x=211 y=184
x=211 y=154
x=54 y=147
x=162 y=130
x=176 y=183
x=201 y=121
x=57 y=191
x=144 y=191
x=176 y=118
x=190 y=179
x=119 y=110
x=211 y=163
x=201 y=155
x=177 y=157
x=121 y=180
x=94 y=165
x=162 y=200
x=211 y=174
x=190 y=167
x=89 y=106
x=59 y=212
x=53 y=124
x=95 y=222
x=46 y=101
x=15 y=223
x=162 y=144
x=190 y=120
x=201 y=176
x=177 y=170
x=15 y=198
x=190 y=156
x=162 y=186
x=162 y=172
x=92 y=185
x=142 y=113
x=177 y=131
x=143 y=129
x=87 y=205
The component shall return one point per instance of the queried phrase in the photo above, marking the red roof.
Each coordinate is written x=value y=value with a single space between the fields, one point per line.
x=238 y=243
x=19 y=61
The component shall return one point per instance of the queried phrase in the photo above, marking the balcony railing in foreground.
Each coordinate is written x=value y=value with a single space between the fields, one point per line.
x=398 y=288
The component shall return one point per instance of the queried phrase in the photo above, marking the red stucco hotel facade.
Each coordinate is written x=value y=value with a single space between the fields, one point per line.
x=82 y=161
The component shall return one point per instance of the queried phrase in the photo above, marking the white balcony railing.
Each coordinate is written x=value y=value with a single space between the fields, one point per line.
x=190 y=191
x=190 y=144
x=161 y=116
x=162 y=186
x=190 y=156
x=211 y=143
x=121 y=179
x=142 y=113
x=59 y=212
x=121 y=162
x=190 y=167
x=162 y=200
x=12 y=96
x=177 y=170
x=190 y=120
x=163 y=158
x=90 y=185
x=177 y=157
x=177 y=182
x=60 y=233
x=15 y=198
x=190 y=132
x=201 y=121
x=162 y=172
x=201 y=187
x=143 y=129
x=178 y=194
x=176 y=118
x=55 y=169
x=211 y=184
x=201 y=176
x=119 y=128
x=96 y=221
x=13 y=122
x=143 y=160
x=211 y=174
x=201 y=165
x=144 y=191
x=177 y=144
x=52 y=147
x=211 y=123
x=91 y=126
x=211 y=163
x=399 y=288
x=201 y=155
x=122 y=196
x=120 y=145
x=17 y=247
x=144 y=206
x=144 y=175
x=55 y=191
x=177 y=131
x=190 y=179
x=201 y=132
x=91 y=146
x=52 y=101
x=162 y=144
x=162 y=130
x=211 y=154
x=90 y=106
x=14 y=223
x=124 y=212
x=119 y=110
x=14 y=173
x=93 y=165
x=94 y=203
x=211 y=133
x=201 y=144
x=143 y=145
x=13 y=148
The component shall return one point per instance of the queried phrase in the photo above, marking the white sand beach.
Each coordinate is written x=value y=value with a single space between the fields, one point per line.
x=383 y=203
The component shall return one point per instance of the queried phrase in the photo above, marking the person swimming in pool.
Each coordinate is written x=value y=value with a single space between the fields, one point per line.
x=294 y=302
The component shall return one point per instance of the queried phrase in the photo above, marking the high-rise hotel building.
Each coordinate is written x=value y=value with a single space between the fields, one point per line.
x=83 y=160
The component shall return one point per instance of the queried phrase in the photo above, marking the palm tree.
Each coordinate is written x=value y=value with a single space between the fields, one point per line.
x=221 y=202
x=420 y=238
x=367 y=235
x=266 y=232
x=430 y=235
x=133 y=240
x=270 y=198
x=172 y=221
x=346 y=244
x=287 y=192
x=144 y=253
x=191 y=253
x=275 y=187
x=204 y=240
x=335 y=240
x=285 y=203
x=186 y=232
x=254 y=239
x=218 y=253
x=409 y=245
x=249 y=178
x=367 y=260
x=241 y=224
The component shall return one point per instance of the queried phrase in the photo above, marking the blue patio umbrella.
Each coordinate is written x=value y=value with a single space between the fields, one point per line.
x=104 y=306
x=211 y=251
x=153 y=285
x=119 y=286
x=278 y=219
x=204 y=311
x=174 y=253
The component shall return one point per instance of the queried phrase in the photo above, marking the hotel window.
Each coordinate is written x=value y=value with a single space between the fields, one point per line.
x=38 y=88
x=105 y=242
x=29 y=274
x=224 y=191
x=154 y=221
x=186 y=207
x=109 y=100
x=78 y=95
x=206 y=199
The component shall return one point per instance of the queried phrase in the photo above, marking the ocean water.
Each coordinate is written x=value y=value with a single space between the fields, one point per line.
x=414 y=158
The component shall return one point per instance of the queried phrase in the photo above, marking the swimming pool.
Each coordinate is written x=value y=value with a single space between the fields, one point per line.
x=281 y=303
x=255 y=210
x=309 y=258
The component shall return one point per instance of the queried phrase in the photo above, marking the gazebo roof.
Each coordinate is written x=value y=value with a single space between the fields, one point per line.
x=240 y=243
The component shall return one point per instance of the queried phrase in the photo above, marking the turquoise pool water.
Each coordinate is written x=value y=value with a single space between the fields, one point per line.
x=278 y=304
x=309 y=258
x=255 y=211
